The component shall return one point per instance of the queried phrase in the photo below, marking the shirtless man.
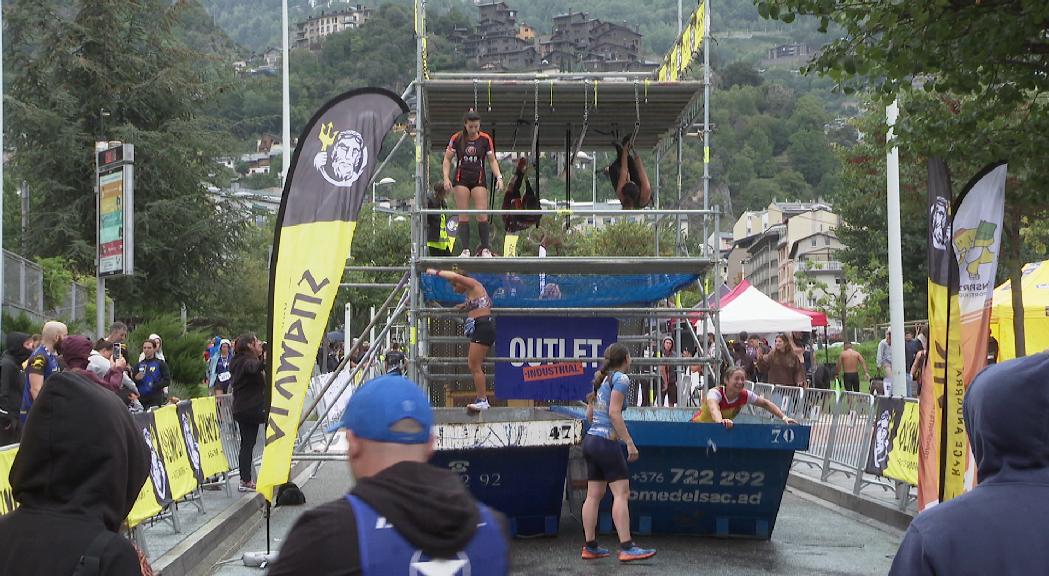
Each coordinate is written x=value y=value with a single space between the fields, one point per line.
x=848 y=366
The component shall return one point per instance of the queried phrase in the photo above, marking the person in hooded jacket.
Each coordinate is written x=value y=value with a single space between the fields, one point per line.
x=404 y=516
x=76 y=351
x=219 y=374
x=12 y=381
x=1000 y=526
x=78 y=472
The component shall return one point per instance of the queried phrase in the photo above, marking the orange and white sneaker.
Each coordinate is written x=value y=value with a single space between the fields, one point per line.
x=635 y=553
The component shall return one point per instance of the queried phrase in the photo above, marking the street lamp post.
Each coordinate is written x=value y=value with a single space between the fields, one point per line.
x=382 y=182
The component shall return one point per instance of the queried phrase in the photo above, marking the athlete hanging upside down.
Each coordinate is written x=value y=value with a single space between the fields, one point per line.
x=725 y=402
x=479 y=328
x=471 y=147
x=629 y=180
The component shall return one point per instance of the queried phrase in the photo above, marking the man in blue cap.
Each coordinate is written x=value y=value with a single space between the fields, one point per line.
x=403 y=516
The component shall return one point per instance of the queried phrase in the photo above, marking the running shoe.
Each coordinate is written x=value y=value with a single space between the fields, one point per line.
x=486 y=253
x=636 y=553
x=594 y=553
x=465 y=253
x=246 y=487
x=479 y=406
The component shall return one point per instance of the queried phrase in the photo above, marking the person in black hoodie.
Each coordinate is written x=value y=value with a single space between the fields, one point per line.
x=12 y=380
x=1000 y=526
x=404 y=516
x=78 y=472
x=250 y=400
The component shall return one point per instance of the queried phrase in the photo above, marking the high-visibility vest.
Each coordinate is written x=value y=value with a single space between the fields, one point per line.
x=443 y=242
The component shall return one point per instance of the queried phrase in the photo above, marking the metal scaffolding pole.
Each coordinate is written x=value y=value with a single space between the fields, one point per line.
x=418 y=222
x=577 y=311
x=706 y=133
x=651 y=361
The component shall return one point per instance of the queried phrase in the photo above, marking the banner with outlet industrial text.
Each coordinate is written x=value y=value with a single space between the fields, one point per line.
x=334 y=161
x=520 y=337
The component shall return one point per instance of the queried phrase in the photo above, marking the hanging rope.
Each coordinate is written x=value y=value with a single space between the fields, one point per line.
x=637 y=115
x=489 y=95
x=586 y=123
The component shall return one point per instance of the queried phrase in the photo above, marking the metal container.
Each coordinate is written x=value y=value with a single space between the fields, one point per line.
x=515 y=460
x=701 y=478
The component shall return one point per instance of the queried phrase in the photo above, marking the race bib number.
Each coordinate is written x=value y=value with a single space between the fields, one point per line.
x=224 y=377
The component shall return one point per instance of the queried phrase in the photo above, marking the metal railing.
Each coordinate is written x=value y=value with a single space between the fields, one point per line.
x=842 y=424
x=23 y=286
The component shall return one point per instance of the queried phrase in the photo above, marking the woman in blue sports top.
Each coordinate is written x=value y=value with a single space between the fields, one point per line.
x=605 y=462
x=479 y=328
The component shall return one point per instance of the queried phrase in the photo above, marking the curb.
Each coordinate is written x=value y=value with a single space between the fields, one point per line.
x=187 y=555
x=192 y=554
x=864 y=506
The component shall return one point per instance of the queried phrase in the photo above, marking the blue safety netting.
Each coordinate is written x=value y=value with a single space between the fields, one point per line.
x=563 y=290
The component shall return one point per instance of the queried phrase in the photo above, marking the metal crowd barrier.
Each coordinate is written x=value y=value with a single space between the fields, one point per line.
x=841 y=428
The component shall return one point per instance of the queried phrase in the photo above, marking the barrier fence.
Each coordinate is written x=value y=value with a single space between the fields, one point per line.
x=193 y=445
x=872 y=440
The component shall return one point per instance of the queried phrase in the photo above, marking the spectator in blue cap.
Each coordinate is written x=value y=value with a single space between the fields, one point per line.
x=1000 y=526
x=403 y=516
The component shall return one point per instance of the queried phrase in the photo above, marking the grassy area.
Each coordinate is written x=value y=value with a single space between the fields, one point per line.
x=870 y=352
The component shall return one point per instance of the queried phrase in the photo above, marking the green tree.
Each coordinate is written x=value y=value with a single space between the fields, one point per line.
x=971 y=77
x=740 y=73
x=126 y=59
x=811 y=155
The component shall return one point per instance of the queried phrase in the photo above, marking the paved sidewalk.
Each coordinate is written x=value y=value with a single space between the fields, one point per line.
x=161 y=537
x=811 y=538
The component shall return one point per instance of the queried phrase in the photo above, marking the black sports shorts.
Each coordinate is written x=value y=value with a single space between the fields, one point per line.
x=605 y=459
x=483 y=331
x=851 y=381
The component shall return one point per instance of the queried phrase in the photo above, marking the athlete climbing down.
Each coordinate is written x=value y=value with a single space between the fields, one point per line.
x=725 y=402
x=479 y=328
x=470 y=148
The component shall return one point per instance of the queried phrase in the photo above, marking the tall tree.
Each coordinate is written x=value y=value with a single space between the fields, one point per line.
x=971 y=76
x=110 y=69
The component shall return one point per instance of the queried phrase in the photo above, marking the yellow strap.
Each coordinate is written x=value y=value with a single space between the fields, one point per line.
x=595 y=93
x=489 y=95
x=647 y=81
x=564 y=211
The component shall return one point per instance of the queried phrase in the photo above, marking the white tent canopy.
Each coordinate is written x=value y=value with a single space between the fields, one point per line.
x=746 y=309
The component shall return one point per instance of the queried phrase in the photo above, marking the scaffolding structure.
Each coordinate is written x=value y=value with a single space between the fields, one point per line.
x=564 y=113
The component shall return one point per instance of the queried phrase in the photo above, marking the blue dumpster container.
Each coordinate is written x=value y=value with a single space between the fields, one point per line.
x=704 y=479
x=512 y=459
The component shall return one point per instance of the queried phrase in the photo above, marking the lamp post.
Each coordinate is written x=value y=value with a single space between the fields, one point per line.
x=382 y=182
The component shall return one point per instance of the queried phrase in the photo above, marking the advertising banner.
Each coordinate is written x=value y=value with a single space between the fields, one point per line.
x=7 y=498
x=329 y=177
x=520 y=337
x=209 y=440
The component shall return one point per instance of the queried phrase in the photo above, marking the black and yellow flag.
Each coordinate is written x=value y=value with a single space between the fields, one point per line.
x=943 y=369
x=327 y=183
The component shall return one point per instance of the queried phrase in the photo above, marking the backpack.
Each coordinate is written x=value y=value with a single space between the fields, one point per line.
x=514 y=200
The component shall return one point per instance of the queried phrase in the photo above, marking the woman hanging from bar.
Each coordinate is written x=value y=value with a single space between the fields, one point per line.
x=606 y=464
x=470 y=147
x=479 y=328
x=629 y=179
